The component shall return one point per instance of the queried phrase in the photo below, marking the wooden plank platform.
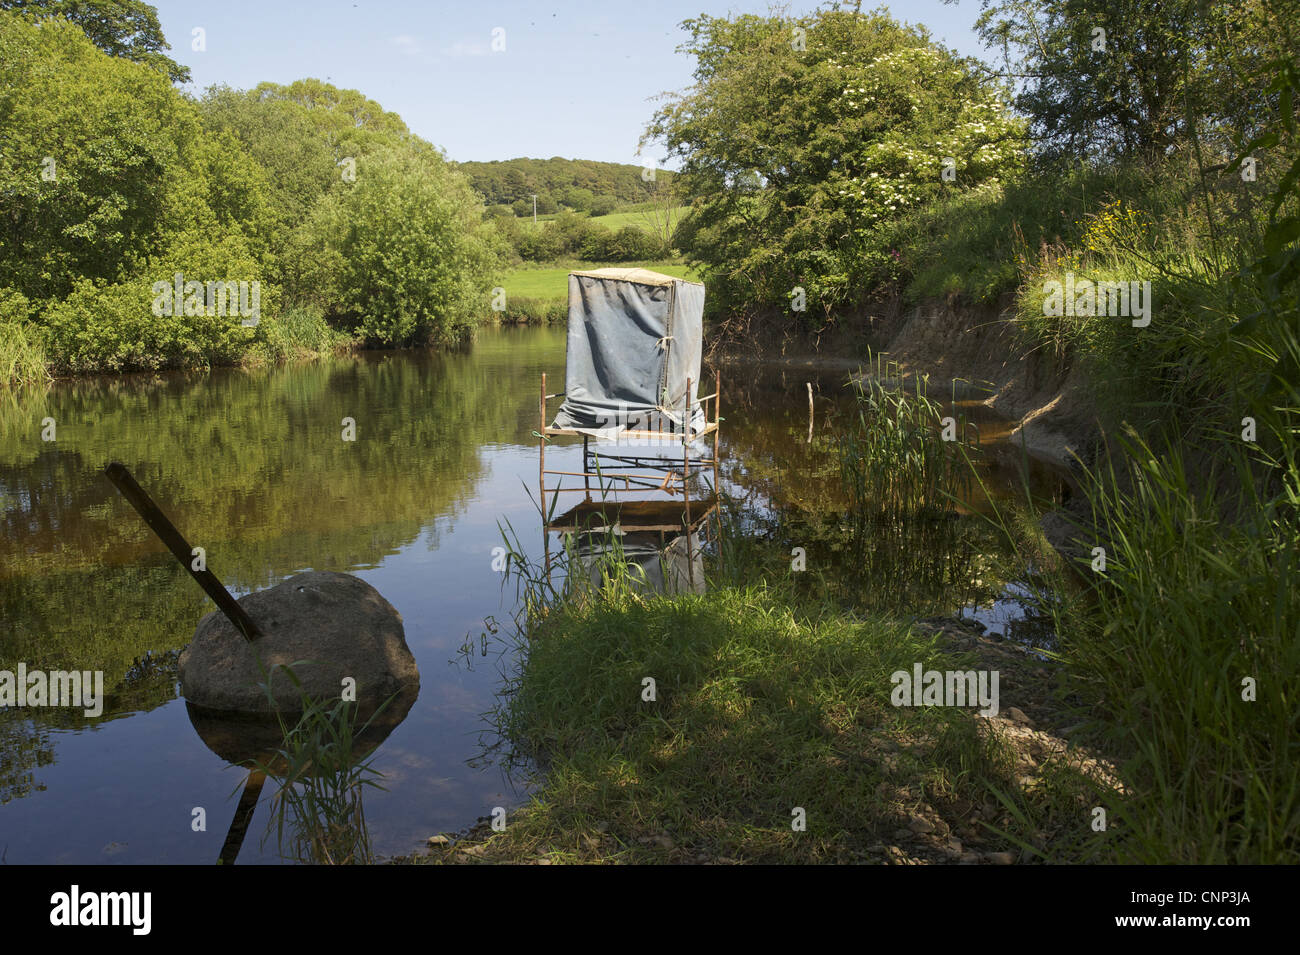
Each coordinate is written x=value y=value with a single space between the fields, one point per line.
x=628 y=436
x=633 y=515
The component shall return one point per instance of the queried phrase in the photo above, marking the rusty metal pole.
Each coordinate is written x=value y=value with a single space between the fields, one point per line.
x=541 y=444
x=180 y=548
x=810 y=412
x=717 y=427
x=586 y=474
x=717 y=424
x=541 y=477
x=686 y=483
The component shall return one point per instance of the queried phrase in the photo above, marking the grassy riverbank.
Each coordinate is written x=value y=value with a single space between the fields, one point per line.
x=767 y=704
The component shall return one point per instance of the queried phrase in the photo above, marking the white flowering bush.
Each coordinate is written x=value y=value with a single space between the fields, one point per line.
x=920 y=112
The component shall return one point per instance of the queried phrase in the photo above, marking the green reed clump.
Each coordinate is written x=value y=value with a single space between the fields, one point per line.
x=318 y=812
x=1192 y=640
x=894 y=462
x=22 y=355
x=573 y=576
x=532 y=311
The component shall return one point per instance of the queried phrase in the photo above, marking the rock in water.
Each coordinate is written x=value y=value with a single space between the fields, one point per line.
x=327 y=626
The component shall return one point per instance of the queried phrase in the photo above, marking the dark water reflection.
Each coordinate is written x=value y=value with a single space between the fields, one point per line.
x=251 y=466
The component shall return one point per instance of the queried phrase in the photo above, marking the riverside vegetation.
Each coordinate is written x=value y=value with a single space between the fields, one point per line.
x=1176 y=655
x=114 y=180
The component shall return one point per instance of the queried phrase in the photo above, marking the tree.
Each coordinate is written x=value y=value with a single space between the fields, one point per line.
x=577 y=198
x=103 y=160
x=125 y=28
x=404 y=255
x=662 y=216
x=1120 y=79
x=803 y=137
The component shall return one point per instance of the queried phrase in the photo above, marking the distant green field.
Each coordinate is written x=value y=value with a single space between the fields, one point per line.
x=616 y=220
x=642 y=219
x=553 y=283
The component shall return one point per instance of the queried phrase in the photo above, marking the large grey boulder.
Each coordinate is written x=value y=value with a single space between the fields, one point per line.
x=327 y=626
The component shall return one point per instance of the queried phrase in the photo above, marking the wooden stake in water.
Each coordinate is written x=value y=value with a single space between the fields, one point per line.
x=181 y=550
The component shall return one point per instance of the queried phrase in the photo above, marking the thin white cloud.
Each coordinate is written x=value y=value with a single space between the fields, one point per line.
x=469 y=48
x=409 y=45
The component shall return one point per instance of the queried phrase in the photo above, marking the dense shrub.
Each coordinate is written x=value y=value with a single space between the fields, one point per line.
x=403 y=257
x=116 y=326
x=628 y=244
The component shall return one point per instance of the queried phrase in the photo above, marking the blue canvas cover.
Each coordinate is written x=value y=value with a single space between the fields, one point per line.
x=635 y=338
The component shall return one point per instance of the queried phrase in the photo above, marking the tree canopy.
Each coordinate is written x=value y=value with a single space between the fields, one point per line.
x=802 y=137
x=1126 y=79
x=114 y=181
x=125 y=28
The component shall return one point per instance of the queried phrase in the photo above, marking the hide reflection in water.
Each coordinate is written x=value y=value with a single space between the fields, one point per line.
x=651 y=562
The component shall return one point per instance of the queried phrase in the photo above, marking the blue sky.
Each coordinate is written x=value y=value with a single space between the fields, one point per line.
x=575 y=79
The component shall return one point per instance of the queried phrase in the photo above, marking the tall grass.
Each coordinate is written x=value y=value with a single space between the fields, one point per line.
x=894 y=461
x=1189 y=639
x=297 y=332
x=318 y=811
x=22 y=355
x=532 y=311
x=1192 y=640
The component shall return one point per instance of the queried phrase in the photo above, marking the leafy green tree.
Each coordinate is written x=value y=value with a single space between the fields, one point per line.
x=1121 y=79
x=308 y=136
x=628 y=244
x=403 y=255
x=102 y=160
x=125 y=28
x=577 y=198
x=803 y=137
x=540 y=244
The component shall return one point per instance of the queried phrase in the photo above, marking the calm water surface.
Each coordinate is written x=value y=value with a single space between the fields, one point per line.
x=251 y=465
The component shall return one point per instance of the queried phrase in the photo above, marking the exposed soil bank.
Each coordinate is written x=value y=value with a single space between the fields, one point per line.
x=975 y=350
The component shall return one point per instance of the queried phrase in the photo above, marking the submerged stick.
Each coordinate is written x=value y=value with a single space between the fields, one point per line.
x=180 y=548
x=810 y=412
